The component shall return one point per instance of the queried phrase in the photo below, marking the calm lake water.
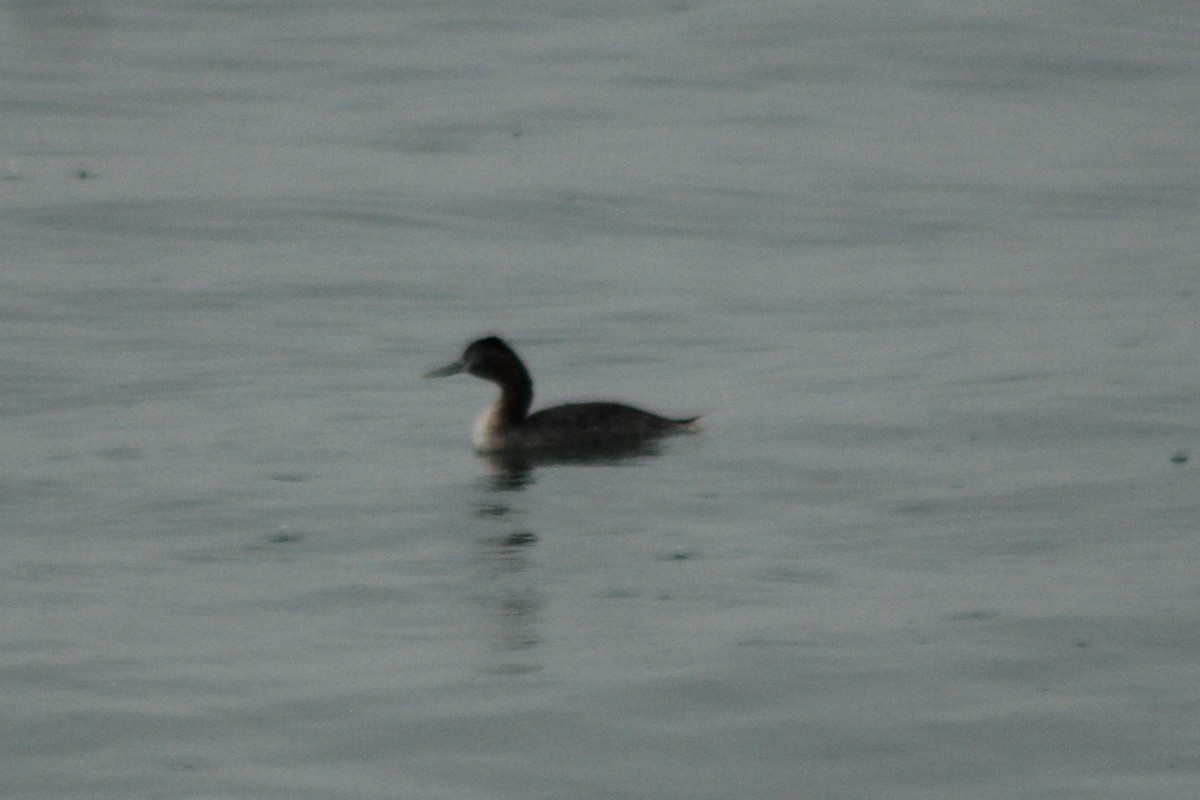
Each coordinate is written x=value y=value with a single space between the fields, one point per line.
x=929 y=268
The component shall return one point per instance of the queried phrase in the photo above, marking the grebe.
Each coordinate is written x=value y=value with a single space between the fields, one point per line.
x=508 y=426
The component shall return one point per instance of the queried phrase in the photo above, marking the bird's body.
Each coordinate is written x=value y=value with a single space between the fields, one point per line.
x=507 y=426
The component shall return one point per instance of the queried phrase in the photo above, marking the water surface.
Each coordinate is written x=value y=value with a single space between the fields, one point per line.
x=929 y=269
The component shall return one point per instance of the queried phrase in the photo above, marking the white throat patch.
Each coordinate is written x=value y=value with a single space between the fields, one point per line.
x=485 y=428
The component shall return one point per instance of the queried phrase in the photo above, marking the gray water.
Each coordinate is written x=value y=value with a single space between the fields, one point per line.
x=929 y=268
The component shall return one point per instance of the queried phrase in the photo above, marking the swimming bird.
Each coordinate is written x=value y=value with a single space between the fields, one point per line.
x=575 y=428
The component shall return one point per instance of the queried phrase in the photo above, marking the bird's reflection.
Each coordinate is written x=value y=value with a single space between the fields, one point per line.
x=514 y=471
x=508 y=588
x=509 y=594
